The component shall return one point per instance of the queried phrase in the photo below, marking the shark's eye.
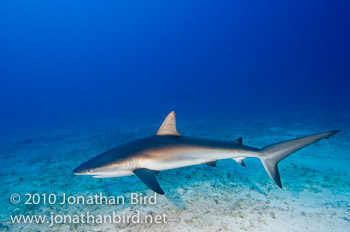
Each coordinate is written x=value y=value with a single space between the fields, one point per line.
x=89 y=170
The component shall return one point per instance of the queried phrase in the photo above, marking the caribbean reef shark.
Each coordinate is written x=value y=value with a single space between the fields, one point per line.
x=167 y=149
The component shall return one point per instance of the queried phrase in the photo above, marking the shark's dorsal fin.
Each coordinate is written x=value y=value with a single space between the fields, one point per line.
x=168 y=126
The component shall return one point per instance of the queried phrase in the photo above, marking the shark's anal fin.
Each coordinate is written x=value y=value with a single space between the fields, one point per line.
x=147 y=176
x=168 y=126
x=240 y=161
x=211 y=163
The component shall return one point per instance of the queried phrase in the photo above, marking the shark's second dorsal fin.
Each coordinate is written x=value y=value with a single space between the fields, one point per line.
x=168 y=126
x=239 y=141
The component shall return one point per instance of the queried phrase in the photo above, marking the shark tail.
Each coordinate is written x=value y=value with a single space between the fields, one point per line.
x=271 y=155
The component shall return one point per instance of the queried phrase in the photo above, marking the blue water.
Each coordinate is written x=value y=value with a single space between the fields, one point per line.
x=80 y=77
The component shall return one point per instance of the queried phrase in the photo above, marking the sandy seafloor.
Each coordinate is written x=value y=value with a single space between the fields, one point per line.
x=315 y=194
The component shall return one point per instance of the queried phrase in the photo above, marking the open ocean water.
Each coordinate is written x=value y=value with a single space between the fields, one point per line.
x=78 y=78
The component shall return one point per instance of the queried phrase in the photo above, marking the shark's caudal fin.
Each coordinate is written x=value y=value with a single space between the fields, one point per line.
x=272 y=154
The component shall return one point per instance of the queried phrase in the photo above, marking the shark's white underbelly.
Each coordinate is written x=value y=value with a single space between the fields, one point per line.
x=160 y=162
x=181 y=160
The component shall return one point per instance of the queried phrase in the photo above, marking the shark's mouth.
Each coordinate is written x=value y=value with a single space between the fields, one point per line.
x=103 y=176
x=82 y=174
x=127 y=173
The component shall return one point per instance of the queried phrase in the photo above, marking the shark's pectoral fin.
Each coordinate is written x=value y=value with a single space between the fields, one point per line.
x=147 y=176
x=211 y=163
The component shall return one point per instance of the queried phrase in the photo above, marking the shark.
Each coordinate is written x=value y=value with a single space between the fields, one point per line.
x=168 y=149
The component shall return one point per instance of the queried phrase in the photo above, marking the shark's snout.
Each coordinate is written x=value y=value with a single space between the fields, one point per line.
x=84 y=169
x=79 y=171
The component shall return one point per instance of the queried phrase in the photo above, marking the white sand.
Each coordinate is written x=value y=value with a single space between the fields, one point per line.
x=315 y=196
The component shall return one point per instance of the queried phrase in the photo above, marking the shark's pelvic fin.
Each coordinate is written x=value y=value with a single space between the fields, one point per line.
x=211 y=163
x=147 y=176
x=168 y=126
x=271 y=155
